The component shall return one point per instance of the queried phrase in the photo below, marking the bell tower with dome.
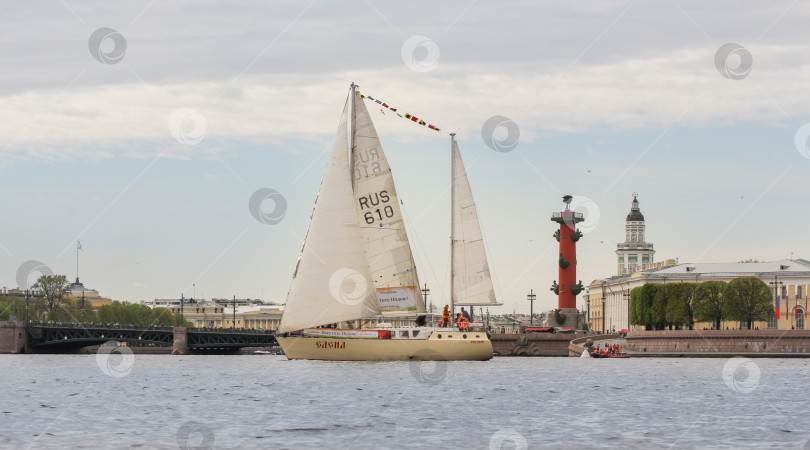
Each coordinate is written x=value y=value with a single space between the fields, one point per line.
x=635 y=253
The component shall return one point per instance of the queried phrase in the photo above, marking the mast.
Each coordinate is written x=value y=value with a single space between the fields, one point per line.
x=353 y=122
x=452 y=222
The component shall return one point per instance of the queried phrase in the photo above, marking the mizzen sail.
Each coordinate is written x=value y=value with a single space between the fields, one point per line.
x=332 y=281
x=472 y=283
x=382 y=226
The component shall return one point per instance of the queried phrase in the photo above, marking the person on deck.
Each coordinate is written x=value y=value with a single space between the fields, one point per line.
x=458 y=319
x=465 y=314
x=445 y=315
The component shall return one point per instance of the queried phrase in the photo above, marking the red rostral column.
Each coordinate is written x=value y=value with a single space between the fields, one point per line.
x=567 y=236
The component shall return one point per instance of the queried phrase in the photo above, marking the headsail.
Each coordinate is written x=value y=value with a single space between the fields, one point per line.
x=383 y=228
x=332 y=281
x=471 y=281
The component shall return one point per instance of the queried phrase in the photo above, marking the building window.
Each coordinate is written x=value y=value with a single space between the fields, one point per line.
x=772 y=320
x=800 y=318
x=799 y=292
x=784 y=292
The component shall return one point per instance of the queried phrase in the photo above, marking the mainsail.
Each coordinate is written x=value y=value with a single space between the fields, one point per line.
x=382 y=227
x=332 y=281
x=471 y=281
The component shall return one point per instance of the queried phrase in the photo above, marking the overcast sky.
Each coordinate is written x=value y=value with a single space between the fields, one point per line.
x=145 y=140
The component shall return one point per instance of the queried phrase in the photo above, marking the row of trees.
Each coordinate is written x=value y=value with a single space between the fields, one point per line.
x=51 y=304
x=658 y=306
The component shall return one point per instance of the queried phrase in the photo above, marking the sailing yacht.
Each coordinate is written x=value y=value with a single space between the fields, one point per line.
x=357 y=267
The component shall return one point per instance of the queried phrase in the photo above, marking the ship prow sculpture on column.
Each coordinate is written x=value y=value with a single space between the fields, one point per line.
x=568 y=286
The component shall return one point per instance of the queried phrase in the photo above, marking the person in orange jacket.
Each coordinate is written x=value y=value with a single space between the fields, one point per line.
x=445 y=315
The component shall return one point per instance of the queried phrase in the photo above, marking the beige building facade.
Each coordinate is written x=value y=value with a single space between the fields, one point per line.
x=608 y=300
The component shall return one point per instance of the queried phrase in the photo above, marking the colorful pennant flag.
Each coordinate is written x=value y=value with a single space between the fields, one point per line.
x=406 y=116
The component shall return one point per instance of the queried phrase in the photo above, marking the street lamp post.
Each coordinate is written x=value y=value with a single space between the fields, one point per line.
x=488 y=324
x=234 y=313
x=26 y=306
x=425 y=293
x=604 y=329
x=531 y=298
x=627 y=299
x=182 y=300
x=776 y=283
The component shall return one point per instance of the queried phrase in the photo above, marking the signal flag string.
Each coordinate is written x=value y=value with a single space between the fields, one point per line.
x=408 y=116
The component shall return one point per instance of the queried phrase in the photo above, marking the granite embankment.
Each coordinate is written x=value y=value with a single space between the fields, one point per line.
x=719 y=343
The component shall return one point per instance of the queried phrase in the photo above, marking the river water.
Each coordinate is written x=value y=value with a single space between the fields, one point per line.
x=163 y=401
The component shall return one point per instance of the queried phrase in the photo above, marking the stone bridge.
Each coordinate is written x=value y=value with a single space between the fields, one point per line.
x=18 y=337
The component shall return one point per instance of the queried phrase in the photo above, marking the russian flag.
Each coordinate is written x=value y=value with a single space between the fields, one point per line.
x=777 y=307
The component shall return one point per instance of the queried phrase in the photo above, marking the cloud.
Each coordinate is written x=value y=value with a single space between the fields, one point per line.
x=130 y=120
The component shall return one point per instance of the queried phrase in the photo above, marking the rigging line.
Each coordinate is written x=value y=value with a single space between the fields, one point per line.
x=441 y=130
x=447 y=271
x=415 y=236
x=453 y=239
x=491 y=261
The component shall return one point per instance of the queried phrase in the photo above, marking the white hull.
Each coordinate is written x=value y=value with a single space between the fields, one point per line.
x=451 y=346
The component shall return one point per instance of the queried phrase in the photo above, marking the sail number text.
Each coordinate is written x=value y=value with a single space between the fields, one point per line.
x=376 y=204
x=362 y=160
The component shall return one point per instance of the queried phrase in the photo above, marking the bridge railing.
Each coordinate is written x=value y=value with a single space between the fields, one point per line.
x=118 y=326
x=230 y=330
x=115 y=326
